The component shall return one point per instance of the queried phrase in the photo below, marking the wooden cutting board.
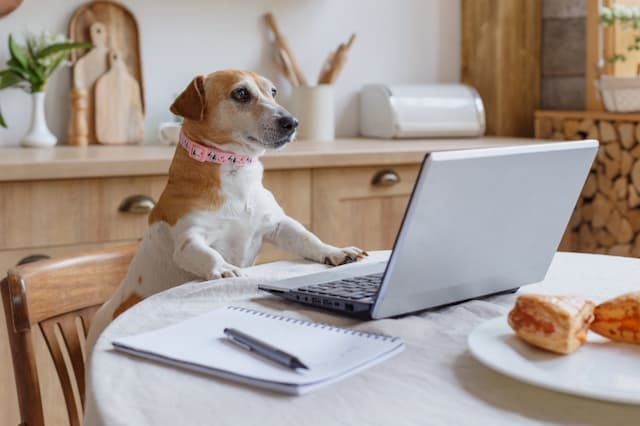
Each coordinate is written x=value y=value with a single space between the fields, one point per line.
x=118 y=105
x=93 y=64
x=121 y=35
x=86 y=72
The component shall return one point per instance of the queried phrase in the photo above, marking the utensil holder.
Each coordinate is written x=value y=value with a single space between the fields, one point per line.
x=313 y=106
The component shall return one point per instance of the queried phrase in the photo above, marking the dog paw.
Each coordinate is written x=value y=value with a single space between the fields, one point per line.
x=342 y=256
x=224 y=271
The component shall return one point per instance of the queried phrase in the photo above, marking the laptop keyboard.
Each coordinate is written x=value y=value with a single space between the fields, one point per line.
x=354 y=288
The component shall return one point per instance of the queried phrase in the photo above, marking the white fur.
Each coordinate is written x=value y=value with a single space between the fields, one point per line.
x=216 y=244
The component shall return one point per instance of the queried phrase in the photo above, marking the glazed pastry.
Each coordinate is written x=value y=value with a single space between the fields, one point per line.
x=619 y=318
x=555 y=323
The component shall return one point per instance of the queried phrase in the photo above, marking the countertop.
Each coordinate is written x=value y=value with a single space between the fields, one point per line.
x=65 y=162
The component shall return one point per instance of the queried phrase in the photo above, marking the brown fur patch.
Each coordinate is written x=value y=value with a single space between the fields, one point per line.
x=217 y=88
x=191 y=102
x=139 y=279
x=192 y=186
x=131 y=300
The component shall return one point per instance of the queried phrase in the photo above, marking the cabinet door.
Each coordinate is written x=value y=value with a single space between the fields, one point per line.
x=361 y=206
x=292 y=190
x=75 y=211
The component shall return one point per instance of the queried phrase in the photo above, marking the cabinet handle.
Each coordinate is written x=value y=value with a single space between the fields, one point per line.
x=385 y=178
x=32 y=258
x=137 y=204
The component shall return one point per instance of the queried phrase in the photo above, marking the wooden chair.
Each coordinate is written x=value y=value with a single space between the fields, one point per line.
x=60 y=296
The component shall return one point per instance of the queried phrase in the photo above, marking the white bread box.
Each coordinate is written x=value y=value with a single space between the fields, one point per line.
x=420 y=111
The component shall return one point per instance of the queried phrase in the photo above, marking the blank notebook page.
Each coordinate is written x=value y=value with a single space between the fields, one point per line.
x=199 y=343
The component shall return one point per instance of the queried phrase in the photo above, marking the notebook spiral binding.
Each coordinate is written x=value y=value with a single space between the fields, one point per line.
x=307 y=323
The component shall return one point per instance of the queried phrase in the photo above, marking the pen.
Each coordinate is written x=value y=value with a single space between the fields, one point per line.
x=263 y=349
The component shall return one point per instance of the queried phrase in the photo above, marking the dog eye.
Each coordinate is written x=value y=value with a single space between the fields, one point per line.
x=274 y=92
x=241 y=95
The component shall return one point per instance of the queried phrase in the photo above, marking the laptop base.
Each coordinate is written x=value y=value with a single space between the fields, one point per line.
x=363 y=310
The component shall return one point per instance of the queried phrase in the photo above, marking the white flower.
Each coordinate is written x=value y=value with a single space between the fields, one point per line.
x=606 y=13
x=622 y=11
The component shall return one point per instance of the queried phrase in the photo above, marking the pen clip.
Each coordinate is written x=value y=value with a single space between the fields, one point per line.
x=239 y=343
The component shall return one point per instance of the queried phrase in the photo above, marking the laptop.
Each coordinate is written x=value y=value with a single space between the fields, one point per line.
x=479 y=222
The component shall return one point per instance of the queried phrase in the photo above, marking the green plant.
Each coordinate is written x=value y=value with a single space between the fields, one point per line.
x=30 y=65
x=629 y=18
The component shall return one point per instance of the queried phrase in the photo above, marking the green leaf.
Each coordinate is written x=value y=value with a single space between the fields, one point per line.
x=2 y=122
x=38 y=71
x=62 y=47
x=26 y=75
x=618 y=57
x=9 y=79
x=31 y=49
x=54 y=65
x=17 y=53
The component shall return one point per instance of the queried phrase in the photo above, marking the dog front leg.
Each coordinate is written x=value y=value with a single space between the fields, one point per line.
x=193 y=254
x=292 y=236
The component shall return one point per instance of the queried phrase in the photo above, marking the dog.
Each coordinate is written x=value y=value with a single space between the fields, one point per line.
x=214 y=213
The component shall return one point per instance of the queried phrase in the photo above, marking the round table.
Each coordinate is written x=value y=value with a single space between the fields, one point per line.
x=434 y=381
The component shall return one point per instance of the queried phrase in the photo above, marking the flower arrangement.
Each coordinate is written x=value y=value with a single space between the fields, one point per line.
x=629 y=18
x=31 y=64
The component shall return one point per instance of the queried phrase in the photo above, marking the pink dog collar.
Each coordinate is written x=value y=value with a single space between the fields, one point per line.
x=212 y=155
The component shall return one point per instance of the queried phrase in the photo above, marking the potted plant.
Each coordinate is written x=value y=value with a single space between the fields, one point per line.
x=620 y=94
x=29 y=67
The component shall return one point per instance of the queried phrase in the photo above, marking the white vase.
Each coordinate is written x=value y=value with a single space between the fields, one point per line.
x=39 y=134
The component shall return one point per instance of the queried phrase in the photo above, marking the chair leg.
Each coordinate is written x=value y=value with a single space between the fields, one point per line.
x=24 y=366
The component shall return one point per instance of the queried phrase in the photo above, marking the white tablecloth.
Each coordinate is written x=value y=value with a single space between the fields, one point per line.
x=435 y=381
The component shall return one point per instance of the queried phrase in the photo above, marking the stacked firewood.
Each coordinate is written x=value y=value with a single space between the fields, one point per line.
x=607 y=215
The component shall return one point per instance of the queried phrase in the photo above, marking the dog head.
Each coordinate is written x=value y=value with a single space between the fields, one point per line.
x=237 y=109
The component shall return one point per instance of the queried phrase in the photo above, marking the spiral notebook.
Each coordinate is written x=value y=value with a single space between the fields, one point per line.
x=199 y=344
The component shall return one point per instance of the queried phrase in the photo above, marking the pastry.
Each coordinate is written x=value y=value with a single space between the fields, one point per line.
x=555 y=323
x=619 y=318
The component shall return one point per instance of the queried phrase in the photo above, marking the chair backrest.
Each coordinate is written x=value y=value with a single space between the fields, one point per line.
x=60 y=297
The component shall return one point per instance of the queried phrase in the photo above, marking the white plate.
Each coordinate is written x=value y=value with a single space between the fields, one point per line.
x=600 y=369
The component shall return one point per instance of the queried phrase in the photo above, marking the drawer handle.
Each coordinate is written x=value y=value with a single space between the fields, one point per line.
x=137 y=204
x=385 y=178
x=32 y=258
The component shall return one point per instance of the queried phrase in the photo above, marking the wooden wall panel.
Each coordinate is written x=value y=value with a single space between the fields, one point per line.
x=501 y=59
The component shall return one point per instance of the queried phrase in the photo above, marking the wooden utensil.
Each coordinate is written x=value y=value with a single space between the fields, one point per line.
x=121 y=34
x=85 y=73
x=336 y=62
x=79 y=121
x=287 y=68
x=282 y=43
x=93 y=64
x=118 y=109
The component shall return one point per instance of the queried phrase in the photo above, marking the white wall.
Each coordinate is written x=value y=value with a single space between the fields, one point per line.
x=399 y=41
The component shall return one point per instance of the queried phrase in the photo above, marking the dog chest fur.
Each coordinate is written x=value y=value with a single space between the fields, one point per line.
x=236 y=229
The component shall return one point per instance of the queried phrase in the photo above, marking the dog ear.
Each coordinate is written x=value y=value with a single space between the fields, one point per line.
x=190 y=103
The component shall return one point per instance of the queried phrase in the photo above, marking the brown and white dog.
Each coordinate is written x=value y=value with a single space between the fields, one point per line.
x=214 y=213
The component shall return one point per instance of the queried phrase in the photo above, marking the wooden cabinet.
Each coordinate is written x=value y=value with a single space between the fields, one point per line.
x=72 y=211
x=361 y=206
x=292 y=190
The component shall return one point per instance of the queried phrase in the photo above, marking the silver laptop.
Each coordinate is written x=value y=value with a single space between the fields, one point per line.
x=479 y=222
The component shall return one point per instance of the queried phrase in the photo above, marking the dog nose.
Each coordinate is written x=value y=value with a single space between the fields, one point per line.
x=288 y=122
